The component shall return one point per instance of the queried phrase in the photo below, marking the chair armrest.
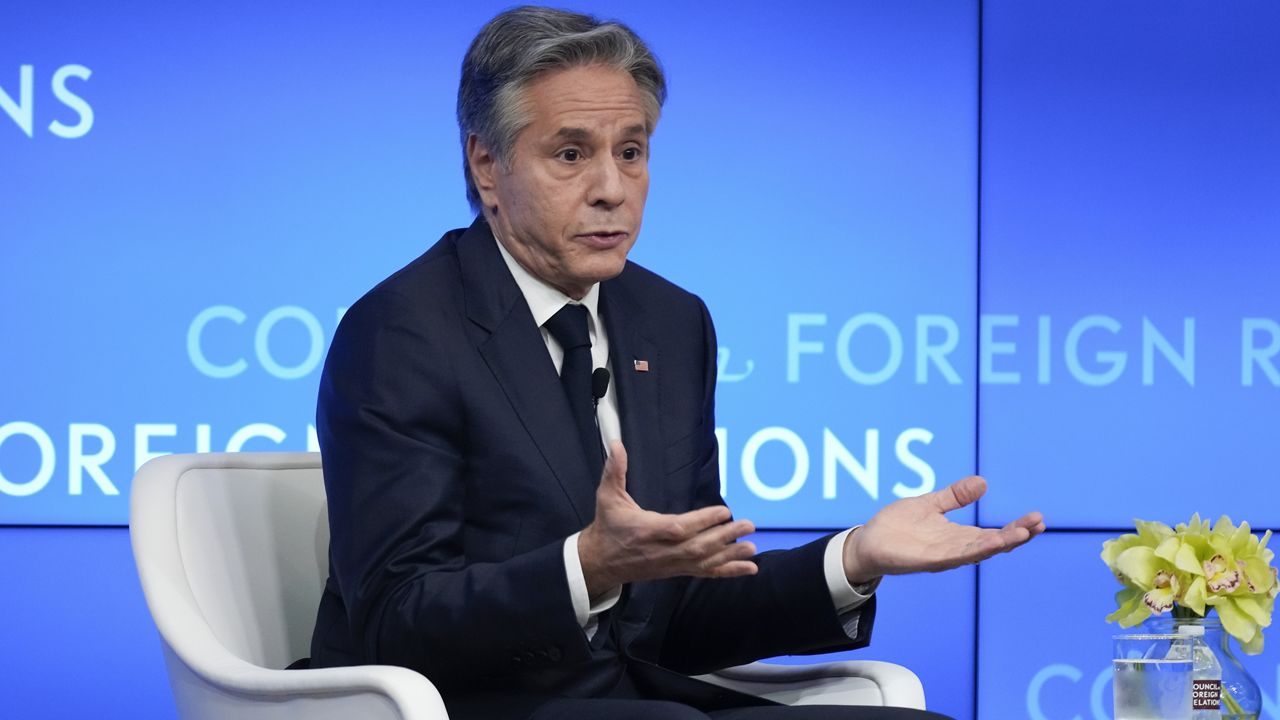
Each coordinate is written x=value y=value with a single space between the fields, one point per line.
x=226 y=686
x=848 y=682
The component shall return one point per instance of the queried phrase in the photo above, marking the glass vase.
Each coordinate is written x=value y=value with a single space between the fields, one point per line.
x=1241 y=697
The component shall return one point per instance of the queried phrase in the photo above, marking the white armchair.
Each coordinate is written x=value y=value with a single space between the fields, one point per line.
x=232 y=552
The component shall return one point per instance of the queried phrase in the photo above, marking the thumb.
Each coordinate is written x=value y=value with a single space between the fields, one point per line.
x=615 y=469
x=960 y=493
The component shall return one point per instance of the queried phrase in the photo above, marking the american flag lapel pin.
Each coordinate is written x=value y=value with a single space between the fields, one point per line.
x=642 y=365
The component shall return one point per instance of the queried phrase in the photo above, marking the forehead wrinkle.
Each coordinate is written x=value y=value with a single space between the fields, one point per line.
x=584 y=99
x=559 y=107
x=595 y=106
x=589 y=114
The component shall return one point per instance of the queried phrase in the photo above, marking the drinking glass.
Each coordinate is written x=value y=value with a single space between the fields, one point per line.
x=1152 y=677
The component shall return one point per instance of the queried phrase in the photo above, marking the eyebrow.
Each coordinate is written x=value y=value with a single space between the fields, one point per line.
x=577 y=134
x=573 y=133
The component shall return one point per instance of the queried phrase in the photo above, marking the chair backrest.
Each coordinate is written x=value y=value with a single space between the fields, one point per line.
x=241 y=538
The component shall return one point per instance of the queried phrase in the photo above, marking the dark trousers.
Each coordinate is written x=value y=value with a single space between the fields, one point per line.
x=626 y=688
x=646 y=693
x=630 y=709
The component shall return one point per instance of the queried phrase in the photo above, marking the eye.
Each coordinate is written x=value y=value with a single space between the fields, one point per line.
x=632 y=153
x=570 y=155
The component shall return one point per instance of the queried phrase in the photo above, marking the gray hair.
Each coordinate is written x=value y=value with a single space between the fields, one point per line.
x=520 y=44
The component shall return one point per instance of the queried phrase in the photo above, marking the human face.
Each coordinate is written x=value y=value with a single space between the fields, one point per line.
x=569 y=208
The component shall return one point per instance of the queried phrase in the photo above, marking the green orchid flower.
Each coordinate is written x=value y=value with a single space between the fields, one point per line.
x=1196 y=566
x=1111 y=550
x=1153 y=584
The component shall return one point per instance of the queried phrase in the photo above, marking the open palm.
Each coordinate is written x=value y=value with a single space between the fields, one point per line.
x=914 y=535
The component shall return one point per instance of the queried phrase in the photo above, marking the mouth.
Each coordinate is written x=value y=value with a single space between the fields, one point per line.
x=603 y=239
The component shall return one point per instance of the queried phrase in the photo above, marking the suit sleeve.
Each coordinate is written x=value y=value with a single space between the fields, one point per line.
x=391 y=424
x=786 y=608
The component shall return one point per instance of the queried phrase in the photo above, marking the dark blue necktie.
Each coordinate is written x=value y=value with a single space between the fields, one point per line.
x=569 y=328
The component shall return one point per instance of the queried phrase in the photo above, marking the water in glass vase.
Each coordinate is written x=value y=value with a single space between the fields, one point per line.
x=1241 y=698
x=1153 y=689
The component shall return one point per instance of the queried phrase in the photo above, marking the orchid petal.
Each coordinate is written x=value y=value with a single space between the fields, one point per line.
x=1254 y=611
x=1257 y=575
x=1139 y=615
x=1193 y=599
x=1224 y=583
x=1254 y=646
x=1127 y=600
x=1186 y=560
x=1111 y=549
x=1168 y=548
x=1139 y=564
x=1242 y=540
x=1224 y=526
x=1159 y=600
x=1222 y=546
x=1241 y=626
x=1152 y=532
x=1222 y=574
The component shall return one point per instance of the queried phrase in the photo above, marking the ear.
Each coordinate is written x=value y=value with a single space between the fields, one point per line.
x=484 y=170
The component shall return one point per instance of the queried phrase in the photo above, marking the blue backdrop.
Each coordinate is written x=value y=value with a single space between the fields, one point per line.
x=1130 y=170
x=1033 y=239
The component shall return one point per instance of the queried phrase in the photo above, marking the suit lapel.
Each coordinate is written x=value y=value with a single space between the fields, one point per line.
x=638 y=408
x=517 y=356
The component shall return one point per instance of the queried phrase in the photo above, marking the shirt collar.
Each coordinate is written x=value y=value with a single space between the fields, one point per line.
x=543 y=299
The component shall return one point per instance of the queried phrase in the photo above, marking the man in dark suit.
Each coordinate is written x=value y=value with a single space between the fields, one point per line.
x=538 y=540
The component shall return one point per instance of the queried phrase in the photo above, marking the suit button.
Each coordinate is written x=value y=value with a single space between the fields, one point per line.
x=554 y=654
x=527 y=656
x=517 y=660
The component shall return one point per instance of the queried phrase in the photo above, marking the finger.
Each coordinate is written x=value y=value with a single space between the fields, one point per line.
x=1012 y=536
x=983 y=544
x=992 y=542
x=737 y=568
x=1021 y=531
x=988 y=542
x=733 y=552
x=1032 y=521
x=959 y=493
x=713 y=540
x=679 y=528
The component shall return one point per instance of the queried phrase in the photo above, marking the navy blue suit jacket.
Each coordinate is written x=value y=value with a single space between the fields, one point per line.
x=454 y=476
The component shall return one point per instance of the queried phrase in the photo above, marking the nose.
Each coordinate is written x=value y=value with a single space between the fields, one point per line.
x=606 y=187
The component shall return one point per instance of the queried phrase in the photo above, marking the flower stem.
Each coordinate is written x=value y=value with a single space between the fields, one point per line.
x=1183 y=613
x=1231 y=704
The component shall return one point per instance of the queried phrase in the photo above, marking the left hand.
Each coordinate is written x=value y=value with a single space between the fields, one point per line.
x=912 y=535
x=626 y=543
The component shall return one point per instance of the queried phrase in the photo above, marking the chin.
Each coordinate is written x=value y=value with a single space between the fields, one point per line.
x=604 y=265
x=611 y=267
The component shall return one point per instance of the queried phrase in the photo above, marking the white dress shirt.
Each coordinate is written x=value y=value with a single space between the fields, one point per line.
x=545 y=301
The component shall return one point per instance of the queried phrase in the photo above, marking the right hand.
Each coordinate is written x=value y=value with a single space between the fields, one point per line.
x=913 y=535
x=626 y=543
